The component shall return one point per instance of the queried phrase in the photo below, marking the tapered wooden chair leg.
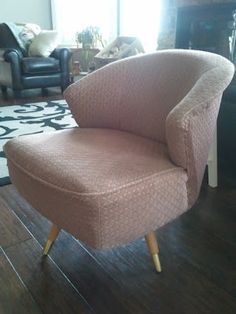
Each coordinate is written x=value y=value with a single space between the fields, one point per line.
x=51 y=238
x=153 y=249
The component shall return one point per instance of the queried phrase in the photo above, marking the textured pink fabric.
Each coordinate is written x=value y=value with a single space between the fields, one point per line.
x=138 y=158
x=189 y=147
x=134 y=95
x=171 y=96
x=106 y=187
x=190 y=125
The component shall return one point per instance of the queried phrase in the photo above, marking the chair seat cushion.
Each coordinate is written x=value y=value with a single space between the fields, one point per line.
x=40 y=65
x=97 y=183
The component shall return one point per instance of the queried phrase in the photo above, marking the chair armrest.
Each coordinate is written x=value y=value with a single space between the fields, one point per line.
x=63 y=55
x=191 y=124
x=6 y=52
x=5 y=70
x=13 y=57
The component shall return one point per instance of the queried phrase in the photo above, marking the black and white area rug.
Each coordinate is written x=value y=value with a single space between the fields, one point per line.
x=31 y=119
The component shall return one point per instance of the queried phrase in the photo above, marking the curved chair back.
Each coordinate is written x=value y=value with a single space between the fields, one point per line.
x=170 y=96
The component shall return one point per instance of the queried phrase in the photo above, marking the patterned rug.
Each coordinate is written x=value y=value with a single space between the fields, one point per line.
x=31 y=119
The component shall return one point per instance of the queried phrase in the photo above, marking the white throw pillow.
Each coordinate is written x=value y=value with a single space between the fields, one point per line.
x=43 y=44
x=28 y=33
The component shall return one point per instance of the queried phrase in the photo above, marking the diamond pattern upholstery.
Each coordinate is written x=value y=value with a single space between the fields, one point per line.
x=137 y=159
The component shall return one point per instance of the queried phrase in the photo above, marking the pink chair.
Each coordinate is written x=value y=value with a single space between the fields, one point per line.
x=137 y=160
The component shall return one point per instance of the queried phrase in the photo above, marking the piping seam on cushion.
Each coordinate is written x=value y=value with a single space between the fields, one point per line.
x=130 y=184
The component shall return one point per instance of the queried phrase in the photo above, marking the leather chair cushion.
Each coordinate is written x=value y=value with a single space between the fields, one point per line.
x=39 y=65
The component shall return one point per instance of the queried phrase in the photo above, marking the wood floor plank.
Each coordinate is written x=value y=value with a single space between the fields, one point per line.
x=203 y=280
x=30 y=218
x=181 y=283
x=48 y=286
x=14 y=296
x=11 y=229
x=201 y=246
x=215 y=211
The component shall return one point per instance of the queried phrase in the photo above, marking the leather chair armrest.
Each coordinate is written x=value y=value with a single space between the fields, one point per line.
x=13 y=56
x=63 y=55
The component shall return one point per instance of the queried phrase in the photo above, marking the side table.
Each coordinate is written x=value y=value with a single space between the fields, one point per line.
x=81 y=60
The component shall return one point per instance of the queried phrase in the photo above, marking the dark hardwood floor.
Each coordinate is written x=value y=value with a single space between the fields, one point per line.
x=197 y=251
x=30 y=96
x=198 y=255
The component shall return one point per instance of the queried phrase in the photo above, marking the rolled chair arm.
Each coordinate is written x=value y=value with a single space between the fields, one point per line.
x=13 y=56
x=63 y=55
x=188 y=143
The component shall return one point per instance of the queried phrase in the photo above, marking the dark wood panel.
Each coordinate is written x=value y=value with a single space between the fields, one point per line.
x=215 y=213
x=213 y=258
x=14 y=296
x=30 y=218
x=182 y=283
x=47 y=284
x=11 y=229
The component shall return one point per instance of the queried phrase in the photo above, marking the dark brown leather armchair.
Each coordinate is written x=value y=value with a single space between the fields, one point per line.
x=18 y=71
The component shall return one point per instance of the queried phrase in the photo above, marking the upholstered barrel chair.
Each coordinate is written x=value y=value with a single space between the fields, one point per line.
x=137 y=159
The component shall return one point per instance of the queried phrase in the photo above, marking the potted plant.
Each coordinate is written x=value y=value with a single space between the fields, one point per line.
x=89 y=37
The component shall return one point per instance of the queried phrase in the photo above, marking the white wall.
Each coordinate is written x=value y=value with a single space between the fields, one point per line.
x=30 y=11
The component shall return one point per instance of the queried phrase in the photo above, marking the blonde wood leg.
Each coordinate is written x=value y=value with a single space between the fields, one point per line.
x=153 y=249
x=51 y=238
